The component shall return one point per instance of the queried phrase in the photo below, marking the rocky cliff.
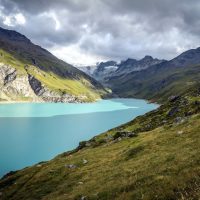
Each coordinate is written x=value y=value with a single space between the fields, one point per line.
x=18 y=86
x=14 y=85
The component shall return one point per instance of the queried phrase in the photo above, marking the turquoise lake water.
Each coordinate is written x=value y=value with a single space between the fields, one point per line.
x=34 y=132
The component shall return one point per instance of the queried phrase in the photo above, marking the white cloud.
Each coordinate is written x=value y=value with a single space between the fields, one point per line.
x=54 y=17
x=14 y=19
x=20 y=19
x=74 y=55
x=7 y=21
x=88 y=31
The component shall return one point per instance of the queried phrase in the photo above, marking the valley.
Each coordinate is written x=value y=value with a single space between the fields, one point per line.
x=31 y=73
x=153 y=156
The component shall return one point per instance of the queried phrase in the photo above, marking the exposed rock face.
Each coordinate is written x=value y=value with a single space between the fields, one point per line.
x=15 y=86
x=6 y=74
x=36 y=85
x=10 y=77
x=48 y=95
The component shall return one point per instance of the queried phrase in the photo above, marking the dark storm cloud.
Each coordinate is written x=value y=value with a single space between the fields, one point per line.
x=109 y=29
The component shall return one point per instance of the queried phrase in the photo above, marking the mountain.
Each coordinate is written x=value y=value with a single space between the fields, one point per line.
x=104 y=71
x=150 y=78
x=101 y=70
x=87 y=69
x=155 y=156
x=131 y=65
x=29 y=72
x=158 y=81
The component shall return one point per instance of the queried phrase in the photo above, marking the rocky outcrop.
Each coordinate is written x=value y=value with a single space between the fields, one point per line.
x=10 y=77
x=7 y=74
x=14 y=85
x=49 y=95
x=17 y=85
x=35 y=85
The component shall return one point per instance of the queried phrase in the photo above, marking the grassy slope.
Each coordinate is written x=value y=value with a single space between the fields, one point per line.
x=161 y=162
x=77 y=87
x=19 y=51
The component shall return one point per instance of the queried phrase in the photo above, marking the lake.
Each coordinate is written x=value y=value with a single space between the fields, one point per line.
x=34 y=132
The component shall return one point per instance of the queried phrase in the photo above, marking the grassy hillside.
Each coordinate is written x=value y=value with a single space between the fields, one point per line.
x=19 y=52
x=155 y=156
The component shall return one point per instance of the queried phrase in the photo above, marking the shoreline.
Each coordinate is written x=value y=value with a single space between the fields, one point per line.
x=20 y=102
x=42 y=101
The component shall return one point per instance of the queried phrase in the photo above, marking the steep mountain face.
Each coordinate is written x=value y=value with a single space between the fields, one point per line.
x=159 y=80
x=58 y=80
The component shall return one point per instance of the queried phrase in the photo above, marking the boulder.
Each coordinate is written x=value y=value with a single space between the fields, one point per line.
x=173 y=98
x=124 y=134
x=85 y=161
x=173 y=111
x=71 y=166
x=180 y=132
x=197 y=103
x=179 y=120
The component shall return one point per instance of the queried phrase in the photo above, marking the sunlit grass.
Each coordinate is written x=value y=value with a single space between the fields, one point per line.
x=78 y=87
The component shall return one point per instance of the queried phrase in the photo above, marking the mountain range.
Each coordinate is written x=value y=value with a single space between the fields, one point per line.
x=153 y=157
x=104 y=70
x=150 y=78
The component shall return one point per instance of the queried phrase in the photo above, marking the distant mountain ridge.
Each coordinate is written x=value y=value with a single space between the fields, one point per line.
x=54 y=80
x=150 y=78
x=159 y=80
x=131 y=65
x=106 y=70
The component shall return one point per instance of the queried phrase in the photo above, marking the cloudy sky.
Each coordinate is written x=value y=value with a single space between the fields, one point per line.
x=87 y=31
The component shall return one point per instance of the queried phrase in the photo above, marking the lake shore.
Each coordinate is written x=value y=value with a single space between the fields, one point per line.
x=50 y=129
